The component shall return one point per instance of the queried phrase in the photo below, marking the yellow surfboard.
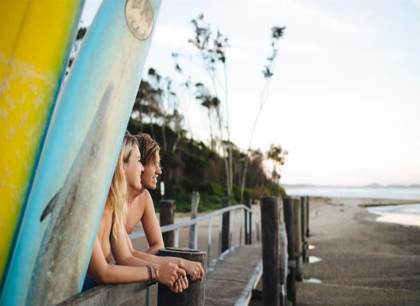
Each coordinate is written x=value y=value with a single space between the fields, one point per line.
x=35 y=42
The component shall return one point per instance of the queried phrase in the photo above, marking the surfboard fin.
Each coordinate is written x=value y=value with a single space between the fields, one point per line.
x=50 y=206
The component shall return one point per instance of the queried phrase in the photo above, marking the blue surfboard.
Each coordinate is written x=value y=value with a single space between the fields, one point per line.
x=71 y=182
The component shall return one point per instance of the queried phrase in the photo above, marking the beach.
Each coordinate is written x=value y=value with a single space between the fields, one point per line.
x=362 y=261
x=357 y=260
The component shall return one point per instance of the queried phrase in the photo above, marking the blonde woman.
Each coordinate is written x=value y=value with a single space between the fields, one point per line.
x=141 y=209
x=112 y=226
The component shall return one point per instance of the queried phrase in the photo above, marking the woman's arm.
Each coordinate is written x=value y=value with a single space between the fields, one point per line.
x=194 y=269
x=151 y=226
x=122 y=251
x=103 y=272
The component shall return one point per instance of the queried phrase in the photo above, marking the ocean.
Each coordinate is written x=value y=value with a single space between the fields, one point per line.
x=400 y=193
x=400 y=214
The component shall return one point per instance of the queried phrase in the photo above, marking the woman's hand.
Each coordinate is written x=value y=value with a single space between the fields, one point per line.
x=194 y=269
x=181 y=283
x=171 y=275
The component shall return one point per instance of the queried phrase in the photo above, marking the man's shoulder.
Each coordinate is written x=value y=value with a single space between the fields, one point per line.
x=143 y=198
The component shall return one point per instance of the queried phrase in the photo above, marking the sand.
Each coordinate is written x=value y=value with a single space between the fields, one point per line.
x=363 y=262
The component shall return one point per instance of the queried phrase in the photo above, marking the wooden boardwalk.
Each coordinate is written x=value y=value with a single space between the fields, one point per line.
x=234 y=277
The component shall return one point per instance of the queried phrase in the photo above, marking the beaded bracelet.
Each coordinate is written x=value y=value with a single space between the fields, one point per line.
x=153 y=274
x=149 y=271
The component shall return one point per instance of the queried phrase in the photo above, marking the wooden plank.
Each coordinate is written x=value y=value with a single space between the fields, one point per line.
x=234 y=277
x=107 y=295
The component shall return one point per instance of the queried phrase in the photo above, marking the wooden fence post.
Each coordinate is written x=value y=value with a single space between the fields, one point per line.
x=225 y=244
x=195 y=293
x=297 y=237
x=307 y=219
x=193 y=237
x=282 y=252
x=304 y=216
x=248 y=224
x=270 y=251
x=291 y=277
x=167 y=216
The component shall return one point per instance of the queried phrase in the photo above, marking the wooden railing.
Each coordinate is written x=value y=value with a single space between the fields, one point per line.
x=118 y=294
x=108 y=295
x=166 y=213
x=284 y=233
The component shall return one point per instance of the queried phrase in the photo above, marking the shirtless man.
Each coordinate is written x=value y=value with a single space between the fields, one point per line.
x=140 y=208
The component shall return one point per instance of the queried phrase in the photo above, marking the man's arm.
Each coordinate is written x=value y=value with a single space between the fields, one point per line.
x=151 y=226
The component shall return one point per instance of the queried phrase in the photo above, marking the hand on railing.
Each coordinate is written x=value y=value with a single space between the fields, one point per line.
x=173 y=276
x=194 y=269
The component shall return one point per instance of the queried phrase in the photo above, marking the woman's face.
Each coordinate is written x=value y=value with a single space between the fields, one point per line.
x=133 y=169
x=151 y=172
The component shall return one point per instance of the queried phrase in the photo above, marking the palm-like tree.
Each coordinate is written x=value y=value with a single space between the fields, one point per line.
x=278 y=156
x=211 y=103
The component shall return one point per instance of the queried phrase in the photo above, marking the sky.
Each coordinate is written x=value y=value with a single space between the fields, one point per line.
x=345 y=96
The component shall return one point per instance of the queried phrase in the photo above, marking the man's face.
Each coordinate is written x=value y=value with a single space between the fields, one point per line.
x=151 y=172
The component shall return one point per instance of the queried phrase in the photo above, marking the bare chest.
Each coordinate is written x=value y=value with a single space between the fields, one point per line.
x=134 y=215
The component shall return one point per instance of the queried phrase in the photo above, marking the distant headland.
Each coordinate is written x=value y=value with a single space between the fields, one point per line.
x=373 y=185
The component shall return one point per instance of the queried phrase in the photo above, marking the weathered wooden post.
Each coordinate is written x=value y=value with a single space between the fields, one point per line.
x=283 y=252
x=291 y=277
x=270 y=218
x=167 y=216
x=193 y=237
x=304 y=216
x=297 y=237
x=307 y=219
x=248 y=223
x=195 y=293
x=225 y=244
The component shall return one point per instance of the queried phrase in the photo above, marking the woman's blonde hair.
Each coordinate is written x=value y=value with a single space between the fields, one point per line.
x=117 y=196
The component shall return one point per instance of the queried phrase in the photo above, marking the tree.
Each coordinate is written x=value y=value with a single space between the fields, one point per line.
x=211 y=47
x=211 y=103
x=185 y=93
x=157 y=101
x=268 y=72
x=278 y=156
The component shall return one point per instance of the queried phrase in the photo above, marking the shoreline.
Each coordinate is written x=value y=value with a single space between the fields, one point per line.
x=363 y=261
